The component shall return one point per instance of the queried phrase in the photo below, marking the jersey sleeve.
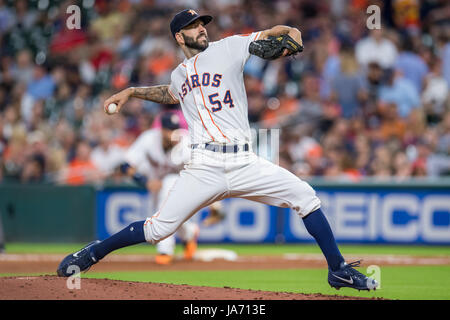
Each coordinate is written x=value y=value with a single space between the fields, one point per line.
x=238 y=45
x=172 y=87
x=173 y=91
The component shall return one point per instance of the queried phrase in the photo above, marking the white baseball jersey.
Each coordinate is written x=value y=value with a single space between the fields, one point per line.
x=210 y=89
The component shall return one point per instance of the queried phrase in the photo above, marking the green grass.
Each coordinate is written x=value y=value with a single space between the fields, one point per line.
x=406 y=283
x=244 y=249
x=397 y=282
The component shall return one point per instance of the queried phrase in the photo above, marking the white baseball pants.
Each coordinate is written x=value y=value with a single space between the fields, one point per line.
x=213 y=176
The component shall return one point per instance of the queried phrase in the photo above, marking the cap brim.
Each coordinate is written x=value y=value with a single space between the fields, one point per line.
x=205 y=18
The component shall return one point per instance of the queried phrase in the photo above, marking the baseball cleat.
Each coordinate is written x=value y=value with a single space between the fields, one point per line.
x=190 y=247
x=346 y=276
x=163 y=259
x=76 y=262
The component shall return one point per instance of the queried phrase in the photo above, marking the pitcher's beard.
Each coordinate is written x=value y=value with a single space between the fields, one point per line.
x=191 y=43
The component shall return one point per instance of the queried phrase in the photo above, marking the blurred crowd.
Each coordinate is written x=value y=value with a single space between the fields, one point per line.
x=357 y=103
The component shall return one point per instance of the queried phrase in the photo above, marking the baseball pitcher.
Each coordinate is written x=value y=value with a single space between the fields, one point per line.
x=209 y=86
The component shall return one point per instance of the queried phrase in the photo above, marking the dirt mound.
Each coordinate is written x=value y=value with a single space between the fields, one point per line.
x=55 y=288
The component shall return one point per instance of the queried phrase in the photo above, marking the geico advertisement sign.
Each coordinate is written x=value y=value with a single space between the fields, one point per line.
x=353 y=216
x=391 y=217
x=245 y=221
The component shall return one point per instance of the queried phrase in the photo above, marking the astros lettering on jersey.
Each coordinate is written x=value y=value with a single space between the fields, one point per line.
x=211 y=91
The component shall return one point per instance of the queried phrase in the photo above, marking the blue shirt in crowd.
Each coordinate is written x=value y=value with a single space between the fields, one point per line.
x=403 y=94
x=413 y=68
x=445 y=57
x=42 y=88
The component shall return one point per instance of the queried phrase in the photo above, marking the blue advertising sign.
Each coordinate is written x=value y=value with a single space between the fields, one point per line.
x=356 y=216
x=378 y=216
x=117 y=208
x=246 y=221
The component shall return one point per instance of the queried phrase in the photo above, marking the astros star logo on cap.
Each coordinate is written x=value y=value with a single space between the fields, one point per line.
x=192 y=12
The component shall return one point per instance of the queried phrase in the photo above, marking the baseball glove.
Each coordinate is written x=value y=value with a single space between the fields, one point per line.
x=273 y=47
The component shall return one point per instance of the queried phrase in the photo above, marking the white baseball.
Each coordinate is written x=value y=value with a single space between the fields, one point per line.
x=112 y=108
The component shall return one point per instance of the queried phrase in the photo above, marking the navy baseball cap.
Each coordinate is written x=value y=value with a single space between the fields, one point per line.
x=170 y=120
x=185 y=18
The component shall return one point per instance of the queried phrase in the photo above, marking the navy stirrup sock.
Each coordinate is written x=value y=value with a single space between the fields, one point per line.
x=317 y=225
x=133 y=234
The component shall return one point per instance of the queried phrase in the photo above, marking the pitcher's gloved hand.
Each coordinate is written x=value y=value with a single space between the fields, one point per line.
x=273 y=47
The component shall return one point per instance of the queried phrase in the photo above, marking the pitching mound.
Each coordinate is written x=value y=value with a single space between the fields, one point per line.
x=52 y=287
x=55 y=288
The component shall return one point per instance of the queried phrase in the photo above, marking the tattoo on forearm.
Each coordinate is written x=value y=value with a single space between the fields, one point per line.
x=159 y=94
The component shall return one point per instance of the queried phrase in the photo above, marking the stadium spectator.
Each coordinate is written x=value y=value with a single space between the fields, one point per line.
x=376 y=48
x=81 y=169
x=22 y=70
x=42 y=85
x=350 y=106
x=7 y=20
x=392 y=126
x=402 y=167
x=347 y=86
x=444 y=55
x=400 y=91
x=107 y=156
x=310 y=106
x=34 y=169
x=411 y=65
x=25 y=17
x=435 y=93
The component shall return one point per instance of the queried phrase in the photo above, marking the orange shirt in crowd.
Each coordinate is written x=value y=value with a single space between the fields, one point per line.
x=161 y=64
x=81 y=172
x=393 y=129
x=273 y=117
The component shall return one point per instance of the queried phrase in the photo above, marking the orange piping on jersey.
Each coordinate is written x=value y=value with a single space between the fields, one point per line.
x=195 y=68
x=257 y=35
x=203 y=123
x=201 y=119
x=173 y=96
